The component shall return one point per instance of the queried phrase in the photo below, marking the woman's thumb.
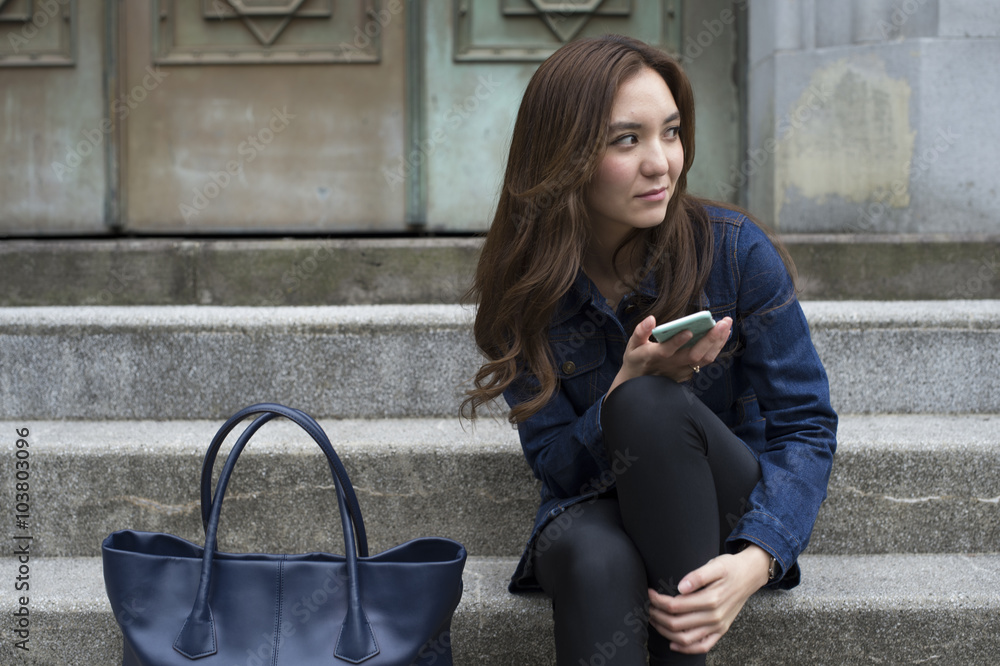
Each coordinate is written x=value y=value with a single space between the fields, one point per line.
x=643 y=330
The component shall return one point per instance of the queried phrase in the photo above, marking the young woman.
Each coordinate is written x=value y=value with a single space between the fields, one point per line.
x=676 y=479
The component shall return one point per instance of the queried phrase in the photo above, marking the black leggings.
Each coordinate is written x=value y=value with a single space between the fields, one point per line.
x=682 y=481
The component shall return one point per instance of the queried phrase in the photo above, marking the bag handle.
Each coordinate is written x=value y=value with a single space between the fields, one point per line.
x=336 y=467
x=197 y=637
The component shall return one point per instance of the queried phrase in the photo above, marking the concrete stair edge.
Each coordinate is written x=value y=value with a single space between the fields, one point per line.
x=890 y=608
x=900 y=483
x=304 y=271
x=979 y=313
x=405 y=361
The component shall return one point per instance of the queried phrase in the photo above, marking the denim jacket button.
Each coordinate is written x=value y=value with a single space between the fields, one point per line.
x=569 y=367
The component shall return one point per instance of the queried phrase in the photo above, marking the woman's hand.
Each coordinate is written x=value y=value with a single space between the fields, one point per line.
x=709 y=599
x=643 y=357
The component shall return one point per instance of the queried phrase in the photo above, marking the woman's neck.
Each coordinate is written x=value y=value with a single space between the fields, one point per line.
x=600 y=265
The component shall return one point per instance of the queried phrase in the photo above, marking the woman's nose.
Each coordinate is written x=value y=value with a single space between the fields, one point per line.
x=656 y=161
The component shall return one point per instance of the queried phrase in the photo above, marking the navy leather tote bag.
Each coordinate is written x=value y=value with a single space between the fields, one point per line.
x=206 y=607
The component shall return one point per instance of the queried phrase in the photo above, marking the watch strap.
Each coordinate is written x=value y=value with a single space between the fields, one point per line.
x=772 y=567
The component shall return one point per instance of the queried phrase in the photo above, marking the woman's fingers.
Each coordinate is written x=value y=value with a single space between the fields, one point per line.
x=710 y=598
x=705 y=350
x=643 y=330
x=700 y=646
x=669 y=358
x=693 y=633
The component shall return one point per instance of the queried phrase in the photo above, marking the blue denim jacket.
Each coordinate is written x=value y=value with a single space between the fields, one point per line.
x=771 y=391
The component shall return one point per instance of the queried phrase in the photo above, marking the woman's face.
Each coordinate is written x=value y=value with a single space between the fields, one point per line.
x=642 y=160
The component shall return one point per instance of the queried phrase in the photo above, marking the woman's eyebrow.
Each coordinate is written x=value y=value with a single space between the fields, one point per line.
x=626 y=125
x=629 y=125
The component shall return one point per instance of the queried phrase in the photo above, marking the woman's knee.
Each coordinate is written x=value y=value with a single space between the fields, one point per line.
x=582 y=554
x=641 y=411
x=647 y=395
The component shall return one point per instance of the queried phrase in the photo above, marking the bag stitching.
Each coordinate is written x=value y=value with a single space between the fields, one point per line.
x=278 y=610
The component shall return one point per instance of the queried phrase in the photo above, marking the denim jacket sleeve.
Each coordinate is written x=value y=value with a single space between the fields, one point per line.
x=792 y=391
x=564 y=448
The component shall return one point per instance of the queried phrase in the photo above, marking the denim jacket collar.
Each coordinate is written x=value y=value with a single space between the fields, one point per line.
x=583 y=291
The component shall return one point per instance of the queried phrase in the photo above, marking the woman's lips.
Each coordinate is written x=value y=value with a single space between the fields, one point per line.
x=658 y=194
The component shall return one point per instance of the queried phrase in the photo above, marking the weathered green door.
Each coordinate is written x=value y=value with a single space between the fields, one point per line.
x=53 y=175
x=195 y=117
x=479 y=57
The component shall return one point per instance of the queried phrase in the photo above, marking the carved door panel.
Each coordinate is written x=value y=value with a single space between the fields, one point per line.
x=53 y=176
x=262 y=115
x=479 y=57
x=195 y=117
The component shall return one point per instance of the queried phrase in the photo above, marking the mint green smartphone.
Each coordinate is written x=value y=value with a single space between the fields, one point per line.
x=699 y=323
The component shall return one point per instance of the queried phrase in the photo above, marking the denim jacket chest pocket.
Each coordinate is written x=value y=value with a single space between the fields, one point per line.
x=580 y=356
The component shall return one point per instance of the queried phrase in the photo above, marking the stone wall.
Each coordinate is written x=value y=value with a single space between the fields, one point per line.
x=873 y=116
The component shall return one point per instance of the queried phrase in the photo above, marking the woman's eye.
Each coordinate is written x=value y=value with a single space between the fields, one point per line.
x=627 y=140
x=673 y=132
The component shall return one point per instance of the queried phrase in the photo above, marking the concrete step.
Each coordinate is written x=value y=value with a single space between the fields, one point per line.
x=416 y=360
x=330 y=271
x=890 y=609
x=900 y=483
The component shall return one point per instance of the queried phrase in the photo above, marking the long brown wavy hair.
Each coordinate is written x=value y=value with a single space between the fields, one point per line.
x=535 y=245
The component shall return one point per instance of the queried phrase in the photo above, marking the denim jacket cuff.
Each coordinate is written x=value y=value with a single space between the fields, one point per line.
x=766 y=531
x=595 y=442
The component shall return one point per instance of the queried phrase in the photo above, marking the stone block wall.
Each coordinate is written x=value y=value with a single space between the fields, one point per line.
x=873 y=116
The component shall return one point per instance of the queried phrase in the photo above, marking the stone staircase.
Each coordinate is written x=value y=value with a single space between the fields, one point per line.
x=121 y=403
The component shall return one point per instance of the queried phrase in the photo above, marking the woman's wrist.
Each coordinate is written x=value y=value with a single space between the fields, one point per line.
x=620 y=378
x=760 y=562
